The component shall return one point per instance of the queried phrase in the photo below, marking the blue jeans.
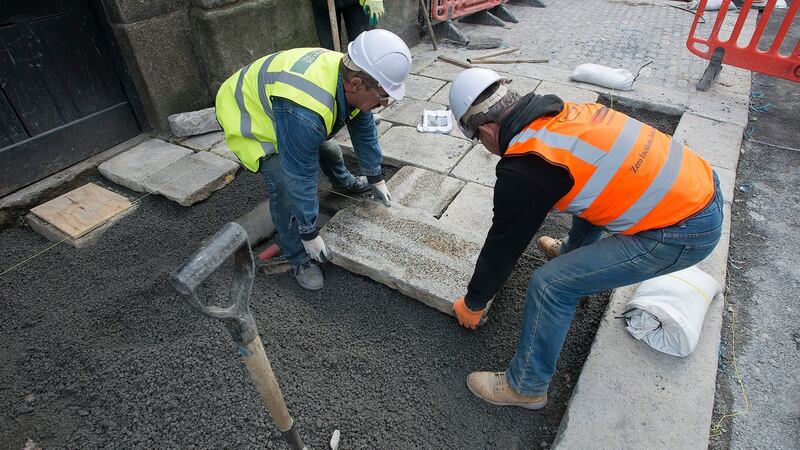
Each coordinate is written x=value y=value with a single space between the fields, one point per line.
x=280 y=202
x=589 y=264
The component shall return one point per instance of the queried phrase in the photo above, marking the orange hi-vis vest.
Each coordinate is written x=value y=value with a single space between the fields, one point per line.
x=628 y=176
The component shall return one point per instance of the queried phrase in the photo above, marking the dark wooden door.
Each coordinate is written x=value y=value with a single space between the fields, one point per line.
x=61 y=98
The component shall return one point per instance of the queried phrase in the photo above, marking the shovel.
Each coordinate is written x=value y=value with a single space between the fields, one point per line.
x=232 y=240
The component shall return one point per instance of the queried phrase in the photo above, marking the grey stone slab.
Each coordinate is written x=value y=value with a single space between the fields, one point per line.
x=423 y=189
x=478 y=166
x=343 y=136
x=419 y=63
x=129 y=11
x=720 y=105
x=203 y=142
x=53 y=234
x=659 y=401
x=523 y=85
x=405 y=249
x=404 y=146
x=192 y=178
x=442 y=96
x=727 y=183
x=567 y=93
x=442 y=70
x=717 y=142
x=194 y=123
x=222 y=149
x=133 y=167
x=422 y=88
x=472 y=211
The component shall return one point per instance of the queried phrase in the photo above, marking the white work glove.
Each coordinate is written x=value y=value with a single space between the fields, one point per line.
x=317 y=249
x=380 y=193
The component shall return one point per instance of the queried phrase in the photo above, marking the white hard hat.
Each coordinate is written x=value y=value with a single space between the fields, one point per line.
x=467 y=86
x=385 y=57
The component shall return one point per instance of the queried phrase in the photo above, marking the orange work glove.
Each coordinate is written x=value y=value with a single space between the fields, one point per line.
x=466 y=317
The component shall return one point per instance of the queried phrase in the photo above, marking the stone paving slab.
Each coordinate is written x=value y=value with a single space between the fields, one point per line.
x=567 y=93
x=441 y=70
x=221 y=149
x=404 y=146
x=132 y=168
x=478 y=166
x=53 y=234
x=405 y=249
x=423 y=189
x=472 y=211
x=343 y=136
x=203 y=142
x=194 y=122
x=192 y=178
x=717 y=142
x=422 y=88
x=631 y=396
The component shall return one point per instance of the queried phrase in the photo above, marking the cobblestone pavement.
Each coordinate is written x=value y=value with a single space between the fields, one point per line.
x=616 y=33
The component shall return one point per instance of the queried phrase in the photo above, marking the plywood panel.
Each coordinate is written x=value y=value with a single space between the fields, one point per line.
x=82 y=210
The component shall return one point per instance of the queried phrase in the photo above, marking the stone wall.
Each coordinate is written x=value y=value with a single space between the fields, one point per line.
x=178 y=52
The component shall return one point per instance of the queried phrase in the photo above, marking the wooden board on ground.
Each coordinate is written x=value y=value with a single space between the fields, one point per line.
x=82 y=210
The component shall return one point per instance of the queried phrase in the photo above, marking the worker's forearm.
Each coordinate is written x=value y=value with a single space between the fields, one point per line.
x=364 y=136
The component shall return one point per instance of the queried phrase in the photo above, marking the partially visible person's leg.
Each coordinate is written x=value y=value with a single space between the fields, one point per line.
x=280 y=206
x=322 y=23
x=355 y=20
x=331 y=161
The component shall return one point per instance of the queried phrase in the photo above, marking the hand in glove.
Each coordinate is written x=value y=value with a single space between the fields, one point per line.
x=381 y=193
x=317 y=249
x=373 y=9
x=466 y=317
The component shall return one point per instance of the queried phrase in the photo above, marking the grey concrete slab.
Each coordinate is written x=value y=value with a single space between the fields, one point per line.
x=523 y=85
x=472 y=211
x=727 y=183
x=203 y=142
x=221 y=149
x=422 y=88
x=478 y=166
x=442 y=95
x=192 y=178
x=53 y=234
x=567 y=93
x=133 y=167
x=720 y=105
x=717 y=142
x=405 y=249
x=441 y=70
x=193 y=123
x=403 y=146
x=419 y=63
x=423 y=189
x=635 y=397
x=343 y=136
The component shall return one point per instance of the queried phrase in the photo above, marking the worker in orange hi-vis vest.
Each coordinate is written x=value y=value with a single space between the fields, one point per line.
x=659 y=203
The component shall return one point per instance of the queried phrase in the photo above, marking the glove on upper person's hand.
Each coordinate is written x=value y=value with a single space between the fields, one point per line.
x=381 y=193
x=373 y=9
x=317 y=249
x=466 y=317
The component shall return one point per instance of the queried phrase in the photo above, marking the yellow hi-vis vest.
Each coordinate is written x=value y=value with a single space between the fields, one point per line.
x=306 y=76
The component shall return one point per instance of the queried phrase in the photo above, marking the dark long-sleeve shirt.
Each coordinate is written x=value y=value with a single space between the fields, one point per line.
x=526 y=189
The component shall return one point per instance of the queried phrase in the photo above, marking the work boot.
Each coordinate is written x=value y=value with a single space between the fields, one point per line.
x=493 y=388
x=360 y=185
x=551 y=247
x=309 y=276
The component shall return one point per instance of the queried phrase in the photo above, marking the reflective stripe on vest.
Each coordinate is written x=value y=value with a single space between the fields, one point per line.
x=628 y=185
x=305 y=76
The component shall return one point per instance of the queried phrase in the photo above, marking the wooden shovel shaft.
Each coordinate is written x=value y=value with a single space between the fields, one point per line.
x=493 y=54
x=507 y=61
x=255 y=358
x=334 y=25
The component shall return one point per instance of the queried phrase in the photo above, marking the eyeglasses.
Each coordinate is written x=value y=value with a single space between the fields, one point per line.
x=378 y=96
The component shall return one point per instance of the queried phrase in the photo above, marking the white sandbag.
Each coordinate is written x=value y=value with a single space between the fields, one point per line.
x=667 y=312
x=619 y=79
x=711 y=5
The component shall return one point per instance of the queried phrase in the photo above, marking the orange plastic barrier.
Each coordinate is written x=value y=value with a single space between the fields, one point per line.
x=770 y=61
x=442 y=10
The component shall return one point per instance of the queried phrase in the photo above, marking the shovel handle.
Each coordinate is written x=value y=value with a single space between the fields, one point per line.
x=230 y=240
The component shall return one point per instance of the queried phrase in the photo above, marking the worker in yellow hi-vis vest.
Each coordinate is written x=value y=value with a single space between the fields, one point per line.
x=279 y=113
